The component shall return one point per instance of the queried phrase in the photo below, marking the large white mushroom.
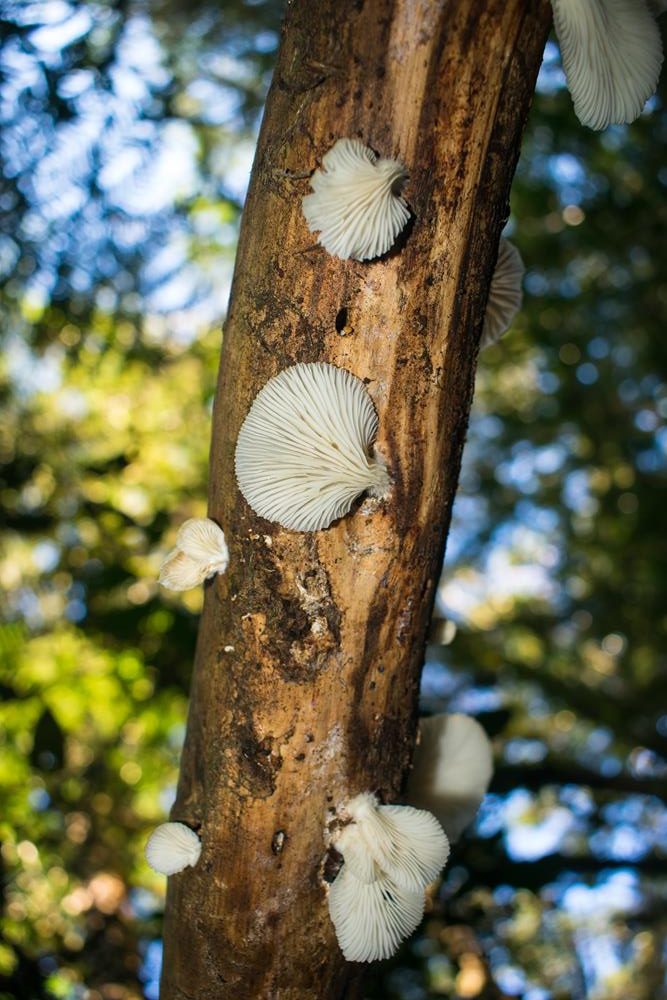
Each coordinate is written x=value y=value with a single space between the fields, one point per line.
x=200 y=552
x=452 y=768
x=356 y=204
x=303 y=453
x=612 y=54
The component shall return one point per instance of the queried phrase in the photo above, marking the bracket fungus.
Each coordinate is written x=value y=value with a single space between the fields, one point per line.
x=303 y=451
x=390 y=854
x=452 y=768
x=200 y=552
x=505 y=293
x=356 y=203
x=612 y=54
x=172 y=847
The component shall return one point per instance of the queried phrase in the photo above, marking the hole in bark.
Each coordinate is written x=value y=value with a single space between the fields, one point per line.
x=278 y=841
x=332 y=864
x=341 y=320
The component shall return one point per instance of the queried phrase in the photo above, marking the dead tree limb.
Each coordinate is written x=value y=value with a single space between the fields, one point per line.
x=310 y=648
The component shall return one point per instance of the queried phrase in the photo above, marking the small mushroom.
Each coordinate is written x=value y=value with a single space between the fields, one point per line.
x=200 y=552
x=172 y=847
x=356 y=204
x=452 y=768
x=372 y=918
x=505 y=294
x=408 y=845
x=612 y=54
x=303 y=453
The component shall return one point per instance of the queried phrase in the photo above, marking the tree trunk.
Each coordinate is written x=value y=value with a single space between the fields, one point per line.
x=310 y=647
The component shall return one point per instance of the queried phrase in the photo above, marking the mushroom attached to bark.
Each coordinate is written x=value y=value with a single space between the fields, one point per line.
x=612 y=54
x=452 y=768
x=200 y=552
x=172 y=847
x=505 y=294
x=356 y=204
x=303 y=453
x=390 y=855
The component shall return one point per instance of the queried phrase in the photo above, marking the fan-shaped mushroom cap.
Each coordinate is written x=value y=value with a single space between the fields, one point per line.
x=172 y=847
x=612 y=54
x=356 y=204
x=200 y=552
x=303 y=451
x=505 y=294
x=406 y=844
x=372 y=918
x=452 y=768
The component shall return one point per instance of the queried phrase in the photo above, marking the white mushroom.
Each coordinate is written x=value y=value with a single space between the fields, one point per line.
x=408 y=845
x=172 y=847
x=200 y=552
x=356 y=204
x=612 y=54
x=505 y=294
x=372 y=918
x=303 y=451
x=390 y=855
x=452 y=768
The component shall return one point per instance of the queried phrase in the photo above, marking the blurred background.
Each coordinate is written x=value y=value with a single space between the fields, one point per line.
x=128 y=134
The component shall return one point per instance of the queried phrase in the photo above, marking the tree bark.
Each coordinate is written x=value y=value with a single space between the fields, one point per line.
x=310 y=647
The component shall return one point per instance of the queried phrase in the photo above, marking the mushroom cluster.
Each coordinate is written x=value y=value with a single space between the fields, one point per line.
x=305 y=453
x=390 y=854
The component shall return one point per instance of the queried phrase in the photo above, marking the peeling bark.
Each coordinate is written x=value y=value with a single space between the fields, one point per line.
x=310 y=648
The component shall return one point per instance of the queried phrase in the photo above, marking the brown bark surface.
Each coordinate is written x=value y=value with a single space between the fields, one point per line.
x=311 y=646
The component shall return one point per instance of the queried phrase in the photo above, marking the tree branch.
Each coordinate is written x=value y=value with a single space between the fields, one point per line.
x=296 y=719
